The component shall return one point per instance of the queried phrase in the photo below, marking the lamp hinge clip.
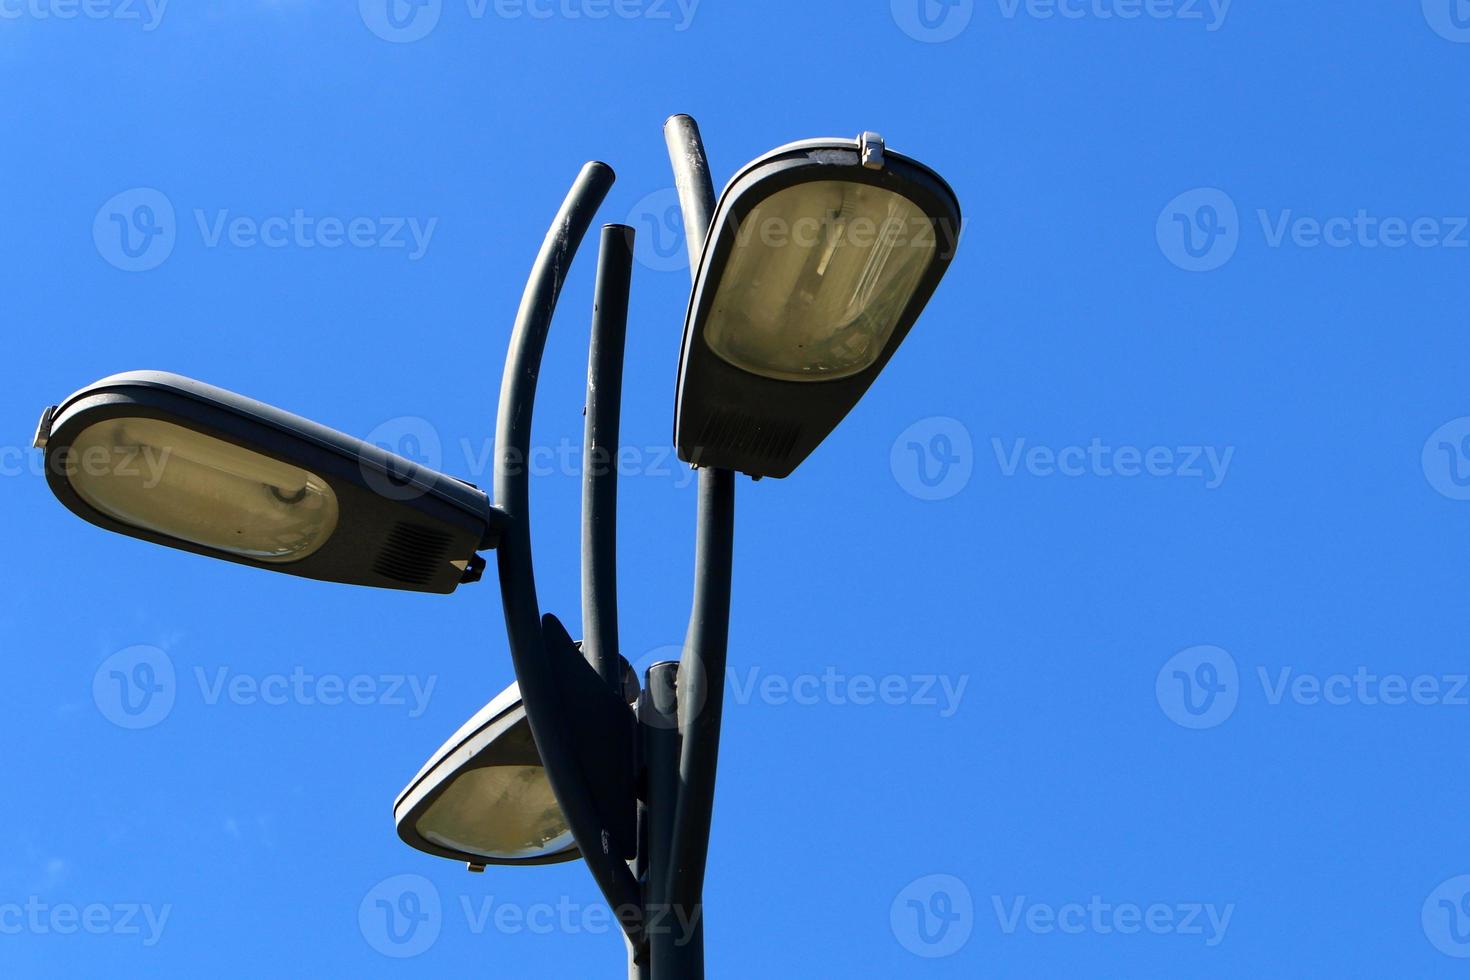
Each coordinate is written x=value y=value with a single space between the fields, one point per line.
x=871 y=147
x=43 y=428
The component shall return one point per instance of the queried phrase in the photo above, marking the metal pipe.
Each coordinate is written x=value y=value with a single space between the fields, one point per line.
x=640 y=965
x=674 y=950
x=600 y=452
x=544 y=708
x=692 y=181
x=702 y=675
x=702 y=670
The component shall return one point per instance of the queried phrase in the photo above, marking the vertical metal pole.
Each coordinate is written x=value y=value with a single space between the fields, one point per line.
x=702 y=675
x=640 y=959
x=701 y=680
x=600 y=453
x=675 y=950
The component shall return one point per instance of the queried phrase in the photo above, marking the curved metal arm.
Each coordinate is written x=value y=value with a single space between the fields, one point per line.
x=702 y=668
x=534 y=670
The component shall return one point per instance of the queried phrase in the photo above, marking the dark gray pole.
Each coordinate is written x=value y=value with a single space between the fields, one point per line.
x=545 y=711
x=640 y=957
x=701 y=680
x=665 y=957
x=692 y=181
x=702 y=684
x=600 y=454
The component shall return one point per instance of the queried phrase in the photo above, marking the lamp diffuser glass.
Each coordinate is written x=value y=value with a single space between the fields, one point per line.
x=818 y=278
x=171 y=480
x=503 y=812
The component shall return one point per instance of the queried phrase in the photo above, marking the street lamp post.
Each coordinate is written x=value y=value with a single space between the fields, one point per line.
x=807 y=274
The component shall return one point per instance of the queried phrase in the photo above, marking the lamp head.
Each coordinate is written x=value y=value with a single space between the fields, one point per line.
x=483 y=797
x=180 y=463
x=820 y=257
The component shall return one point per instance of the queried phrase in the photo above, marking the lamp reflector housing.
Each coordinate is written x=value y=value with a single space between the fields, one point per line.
x=820 y=258
x=194 y=467
x=483 y=797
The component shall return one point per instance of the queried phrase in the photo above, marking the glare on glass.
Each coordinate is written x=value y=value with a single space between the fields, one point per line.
x=503 y=812
x=818 y=279
x=175 y=481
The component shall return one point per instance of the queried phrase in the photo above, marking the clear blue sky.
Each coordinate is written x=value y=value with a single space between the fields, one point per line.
x=1118 y=632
